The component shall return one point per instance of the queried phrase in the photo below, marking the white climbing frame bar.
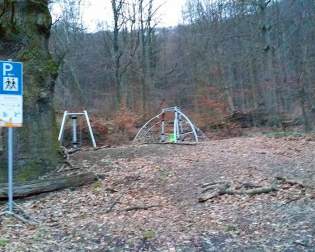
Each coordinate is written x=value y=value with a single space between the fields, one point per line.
x=90 y=128
x=191 y=125
x=162 y=136
x=62 y=126
x=175 y=125
x=146 y=124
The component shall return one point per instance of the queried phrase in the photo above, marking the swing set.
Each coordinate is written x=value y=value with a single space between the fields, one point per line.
x=74 y=117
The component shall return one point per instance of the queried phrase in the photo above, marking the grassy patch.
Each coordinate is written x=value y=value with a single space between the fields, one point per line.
x=232 y=229
x=148 y=234
x=3 y=242
x=97 y=186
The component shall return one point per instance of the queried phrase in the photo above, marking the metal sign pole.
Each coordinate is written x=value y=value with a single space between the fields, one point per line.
x=10 y=170
x=11 y=116
x=10 y=167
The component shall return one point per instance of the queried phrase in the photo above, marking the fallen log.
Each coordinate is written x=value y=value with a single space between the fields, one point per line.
x=48 y=185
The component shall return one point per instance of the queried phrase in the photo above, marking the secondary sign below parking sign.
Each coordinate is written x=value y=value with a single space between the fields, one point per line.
x=11 y=94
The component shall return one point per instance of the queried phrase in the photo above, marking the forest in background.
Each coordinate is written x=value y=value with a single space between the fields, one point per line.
x=248 y=60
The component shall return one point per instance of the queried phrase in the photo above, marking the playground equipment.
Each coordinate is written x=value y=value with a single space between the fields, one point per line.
x=74 y=117
x=170 y=126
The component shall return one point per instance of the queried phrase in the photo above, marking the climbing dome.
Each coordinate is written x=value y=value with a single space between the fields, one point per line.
x=170 y=126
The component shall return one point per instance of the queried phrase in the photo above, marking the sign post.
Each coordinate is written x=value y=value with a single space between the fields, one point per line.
x=11 y=111
x=10 y=170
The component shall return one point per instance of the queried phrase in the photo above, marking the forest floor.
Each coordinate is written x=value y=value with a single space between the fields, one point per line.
x=148 y=200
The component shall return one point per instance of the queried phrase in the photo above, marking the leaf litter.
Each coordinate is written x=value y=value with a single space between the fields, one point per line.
x=148 y=200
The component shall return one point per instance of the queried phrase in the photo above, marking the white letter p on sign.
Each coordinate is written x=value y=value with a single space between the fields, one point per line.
x=7 y=67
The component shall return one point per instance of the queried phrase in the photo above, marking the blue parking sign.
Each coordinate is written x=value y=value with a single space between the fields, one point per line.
x=11 y=94
x=11 y=78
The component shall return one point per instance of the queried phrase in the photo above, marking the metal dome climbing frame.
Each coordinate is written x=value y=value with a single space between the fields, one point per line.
x=178 y=129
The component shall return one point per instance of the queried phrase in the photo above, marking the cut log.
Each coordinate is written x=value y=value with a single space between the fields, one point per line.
x=48 y=185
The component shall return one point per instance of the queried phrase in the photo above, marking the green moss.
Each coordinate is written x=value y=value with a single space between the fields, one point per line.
x=29 y=54
x=51 y=67
x=97 y=186
x=29 y=172
x=148 y=234
x=231 y=228
x=43 y=62
x=3 y=242
x=9 y=31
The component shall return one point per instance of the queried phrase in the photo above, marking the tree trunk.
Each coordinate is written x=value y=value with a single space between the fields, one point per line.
x=24 y=33
x=269 y=78
x=116 y=8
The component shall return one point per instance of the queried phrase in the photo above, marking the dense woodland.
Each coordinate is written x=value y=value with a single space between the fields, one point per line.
x=230 y=64
x=254 y=57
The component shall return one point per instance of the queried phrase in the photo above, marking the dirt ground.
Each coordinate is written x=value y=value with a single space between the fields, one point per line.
x=148 y=200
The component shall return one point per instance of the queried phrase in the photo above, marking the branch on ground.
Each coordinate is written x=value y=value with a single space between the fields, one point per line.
x=136 y=208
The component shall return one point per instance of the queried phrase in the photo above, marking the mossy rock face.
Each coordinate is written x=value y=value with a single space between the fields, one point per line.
x=24 y=33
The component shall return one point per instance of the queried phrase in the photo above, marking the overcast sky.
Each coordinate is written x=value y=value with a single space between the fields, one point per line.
x=96 y=11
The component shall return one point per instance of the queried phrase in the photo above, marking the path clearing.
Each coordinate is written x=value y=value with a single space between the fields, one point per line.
x=148 y=201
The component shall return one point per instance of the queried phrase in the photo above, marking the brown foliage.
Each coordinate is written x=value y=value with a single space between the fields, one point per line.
x=212 y=107
x=122 y=127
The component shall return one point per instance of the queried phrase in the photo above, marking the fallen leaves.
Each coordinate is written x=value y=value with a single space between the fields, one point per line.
x=147 y=200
